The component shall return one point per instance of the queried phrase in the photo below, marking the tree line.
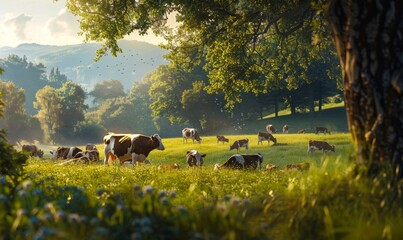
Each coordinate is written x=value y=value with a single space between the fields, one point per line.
x=166 y=99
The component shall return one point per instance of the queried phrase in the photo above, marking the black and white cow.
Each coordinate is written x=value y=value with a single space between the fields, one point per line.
x=320 y=145
x=191 y=133
x=270 y=129
x=134 y=147
x=285 y=128
x=66 y=153
x=322 y=130
x=194 y=158
x=264 y=136
x=238 y=161
x=240 y=143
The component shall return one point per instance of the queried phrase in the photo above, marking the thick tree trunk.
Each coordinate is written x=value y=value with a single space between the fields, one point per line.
x=369 y=39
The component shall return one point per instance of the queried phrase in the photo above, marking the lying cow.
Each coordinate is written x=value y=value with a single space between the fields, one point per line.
x=238 y=161
x=192 y=134
x=320 y=145
x=91 y=147
x=322 y=130
x=301 y=131
x=92 y=155
x=194 y=158
x=270 y=129
x=134 y=147
x=270 y=167
x=298 y=166
x=32 y=150
x=240 y=143
x=168 y=166
x=66 y=153
x=222 y=139
x=285 y=128
x=264 y=136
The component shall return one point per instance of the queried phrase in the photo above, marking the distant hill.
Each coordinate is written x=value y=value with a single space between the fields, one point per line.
x=76 y=61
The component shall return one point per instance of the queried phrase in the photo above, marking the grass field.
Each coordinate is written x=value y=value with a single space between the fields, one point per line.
x=80 y=201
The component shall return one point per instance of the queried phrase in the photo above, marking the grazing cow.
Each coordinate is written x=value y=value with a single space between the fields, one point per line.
x=320 y=145
x=194 y=158
x=285 y=128
x=298 y=166
x=191 y=133
x=301 y=131
x=168 y=166
x=238 y=161
x=240 y=143
x=91 y=147
x=134 y=147
x=32 y=150
x=66 y=153
x=222 y=139
x=270 y=129
x=270 y=167
x=264 y=136
x=322 y=129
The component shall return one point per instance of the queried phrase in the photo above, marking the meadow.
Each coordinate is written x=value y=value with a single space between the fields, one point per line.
x=94 y=201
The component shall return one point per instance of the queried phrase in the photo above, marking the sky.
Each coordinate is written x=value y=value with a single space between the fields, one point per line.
x=44 y=22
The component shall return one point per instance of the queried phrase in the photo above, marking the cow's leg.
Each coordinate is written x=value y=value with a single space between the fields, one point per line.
x=134 y=158
x=111 y=158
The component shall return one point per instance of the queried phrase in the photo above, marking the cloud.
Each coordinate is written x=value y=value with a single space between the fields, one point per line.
x=64 y=23
x=20 y=24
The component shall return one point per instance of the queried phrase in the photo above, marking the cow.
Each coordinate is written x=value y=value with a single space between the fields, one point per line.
x=264 y=136
x=92 y=155
x=322 y=129
x=320 y=145
x=66 y=153
x=134 y=147
x=191 y=133
x=168 y=166
x=298 y=166
x=242 y=161
x=91 y=147
x=301 y=131
x=32 y=150
x=222 y=139
x=285 y=128
x=270 y=129
x=240 y=143
x=270 y=167
x=194 y=158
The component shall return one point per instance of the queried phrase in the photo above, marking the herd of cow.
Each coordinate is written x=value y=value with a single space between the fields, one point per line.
x=136 y=148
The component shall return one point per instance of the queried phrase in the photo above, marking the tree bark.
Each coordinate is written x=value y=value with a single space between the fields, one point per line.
x=369 y=39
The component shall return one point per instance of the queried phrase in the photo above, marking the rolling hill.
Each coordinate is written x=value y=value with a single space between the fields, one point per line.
x=76 y=61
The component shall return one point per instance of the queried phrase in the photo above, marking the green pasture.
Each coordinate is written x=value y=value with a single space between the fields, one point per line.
x=329 y=201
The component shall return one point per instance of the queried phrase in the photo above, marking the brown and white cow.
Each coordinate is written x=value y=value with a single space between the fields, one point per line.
x=91 y=147
x=270 y=129
x=320 y=145
x=298 y=166
x=242 y=161
x=322 y=130
x=285 y=128
x=134 y=147
x=168 y=166
x=301 y=131
x=66 y=153
x=222 y=139
x=191 y=133
x=194 y=158
x=32 y=150
x=264 y=136
x=92 y=155
x=240 y=143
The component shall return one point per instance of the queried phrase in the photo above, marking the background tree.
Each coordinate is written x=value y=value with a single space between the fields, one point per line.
x=49 y=106
x=56 y=79
x=107 y=89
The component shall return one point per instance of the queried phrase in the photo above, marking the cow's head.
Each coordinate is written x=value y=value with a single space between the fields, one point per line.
x=54 y=154
x=333 y=148
x=235 y=145
x=197 y=137
x=194 y=158
x=274 y=140
x=39 y=153
x=157 y=139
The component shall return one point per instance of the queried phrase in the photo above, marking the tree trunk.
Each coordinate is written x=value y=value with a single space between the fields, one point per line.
x=368 y=37
x=276 y=108
x=320 y=104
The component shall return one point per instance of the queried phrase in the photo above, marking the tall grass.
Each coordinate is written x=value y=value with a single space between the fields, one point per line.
x=329 y=201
